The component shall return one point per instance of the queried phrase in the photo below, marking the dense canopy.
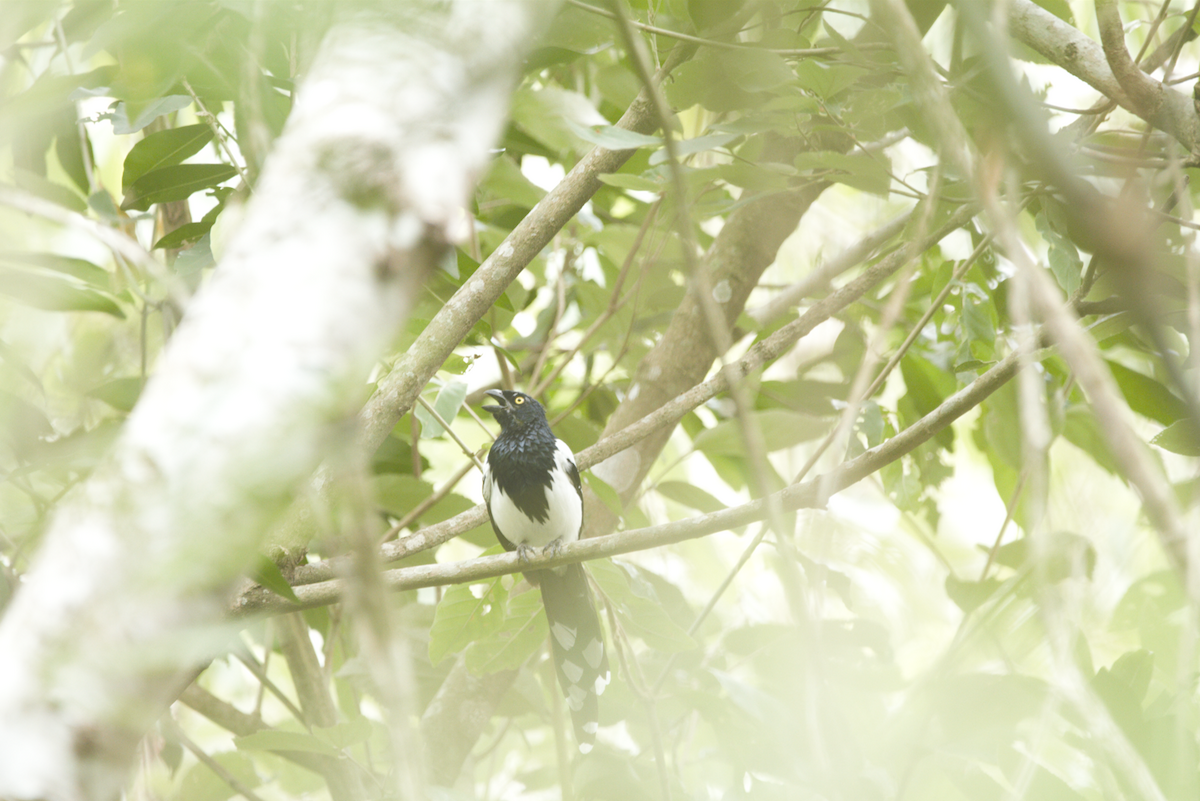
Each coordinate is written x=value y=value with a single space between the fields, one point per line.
x=870 y=324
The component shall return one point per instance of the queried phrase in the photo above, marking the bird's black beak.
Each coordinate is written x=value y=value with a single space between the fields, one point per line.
x=498 y=395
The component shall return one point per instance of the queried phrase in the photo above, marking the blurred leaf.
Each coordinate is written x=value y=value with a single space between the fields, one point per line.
x=604 y=492
x=699 y=144
x=49 y=190
x=462 y=618
x=1180 y=437
x=144 y=115
x=82 y=269
x=449 y=400
x=200 y=783
x=267 y=573
x=276 y=740
x=689 y=495
x=779 y=429
x=1146 y=396
x=519 y=637
x=55 y=292
x=120 y=393
x=184 y=236
x=640 y=613
x=970 y=595
x=635 y=182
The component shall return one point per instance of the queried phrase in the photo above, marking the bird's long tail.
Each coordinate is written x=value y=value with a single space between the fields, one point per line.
x=577 y=642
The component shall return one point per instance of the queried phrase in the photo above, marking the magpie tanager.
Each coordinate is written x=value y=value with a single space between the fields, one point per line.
x=534 y=499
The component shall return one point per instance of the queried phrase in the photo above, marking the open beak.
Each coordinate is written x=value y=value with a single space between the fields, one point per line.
x=498 y=395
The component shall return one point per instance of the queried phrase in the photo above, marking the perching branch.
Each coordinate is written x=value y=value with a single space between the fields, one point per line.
x=797 y=496
x=671 y=412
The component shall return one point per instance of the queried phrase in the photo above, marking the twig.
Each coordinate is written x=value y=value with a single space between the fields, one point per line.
x=436 y=416
x=804 y=52
x=428 y=503
x=173 y=730
x=219 y=133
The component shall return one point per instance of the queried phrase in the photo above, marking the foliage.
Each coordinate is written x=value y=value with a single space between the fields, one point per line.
x=902 y=643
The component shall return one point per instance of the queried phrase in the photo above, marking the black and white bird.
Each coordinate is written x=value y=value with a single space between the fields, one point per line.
x=535 y=501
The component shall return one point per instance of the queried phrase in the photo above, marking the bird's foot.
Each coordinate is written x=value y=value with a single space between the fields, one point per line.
x=552 y=547
x=525 y=551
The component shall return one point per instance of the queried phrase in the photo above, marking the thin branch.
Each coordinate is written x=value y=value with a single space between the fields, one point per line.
x=173 y=730
x=804 y=52
x=1145 y=93
x=820 y=277
x=449 y=430
x=221 y=135
x=1069 y=48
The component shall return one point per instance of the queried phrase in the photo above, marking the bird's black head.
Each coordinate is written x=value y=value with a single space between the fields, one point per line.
x=516 y=411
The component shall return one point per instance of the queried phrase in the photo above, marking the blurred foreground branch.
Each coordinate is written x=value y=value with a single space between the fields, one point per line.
x=355 y=205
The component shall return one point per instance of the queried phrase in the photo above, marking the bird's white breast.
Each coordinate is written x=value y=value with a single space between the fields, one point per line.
x=564 y=508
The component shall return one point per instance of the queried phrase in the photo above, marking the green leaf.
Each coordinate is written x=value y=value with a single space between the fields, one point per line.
x=504 y=182
x=640 y=610
x=1059 y=8
x=449 y=400
x=144 y=115
x=779 y=429
x=184 y=236
x=461 y=618
x=520 y=636
x=177 y=182
x=607 y=495
x=699 y=144
x=826 y=80
x=49 y=190
x=164 y=149
x=1180 y=437
x=120 y=393
x=276 y=740
x=970 y=595
x=398 y=493
x=689 y=495
x=200 y=783
x=267 y=573
x=197 y=257
x=84 y=270
x=55 y=292
x=1064 y=256
x=345 y=734
x=757 y=70
x=1146 y=396
x=637 y=182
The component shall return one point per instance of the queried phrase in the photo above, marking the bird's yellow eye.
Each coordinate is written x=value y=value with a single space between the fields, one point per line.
x=518 y=400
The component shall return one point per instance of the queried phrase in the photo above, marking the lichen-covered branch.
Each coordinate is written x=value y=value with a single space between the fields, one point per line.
x=360 y=196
